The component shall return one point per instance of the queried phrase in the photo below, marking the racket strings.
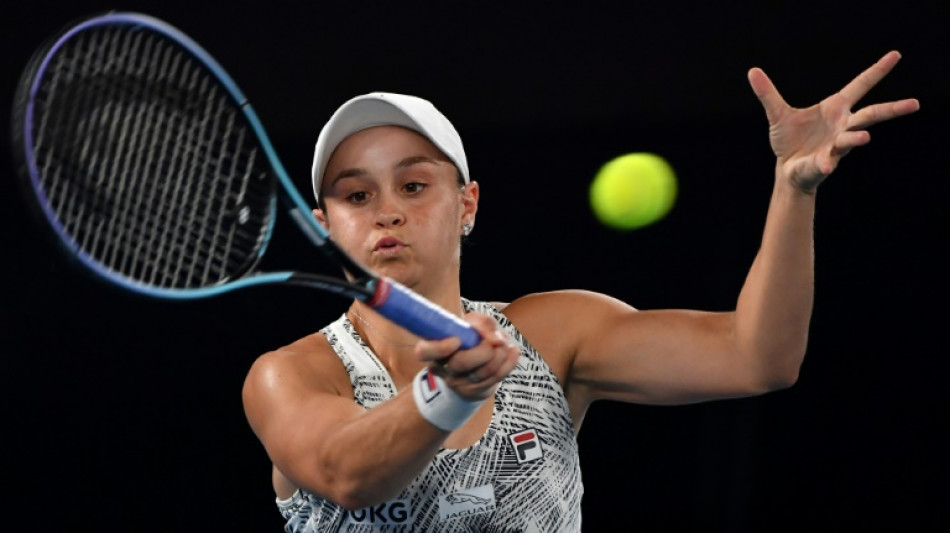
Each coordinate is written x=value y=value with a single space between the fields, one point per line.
x=148 y=163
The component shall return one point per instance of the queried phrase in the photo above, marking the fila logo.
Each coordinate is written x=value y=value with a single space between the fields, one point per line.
x=527 y=445
x=430 y=387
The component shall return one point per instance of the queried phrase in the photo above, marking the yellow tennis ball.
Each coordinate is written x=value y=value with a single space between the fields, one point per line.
x=633 y=190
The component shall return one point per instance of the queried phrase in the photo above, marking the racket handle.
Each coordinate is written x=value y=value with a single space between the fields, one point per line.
x=420 y=316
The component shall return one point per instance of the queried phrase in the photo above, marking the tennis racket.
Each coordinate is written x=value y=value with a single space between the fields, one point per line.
x=153 y=170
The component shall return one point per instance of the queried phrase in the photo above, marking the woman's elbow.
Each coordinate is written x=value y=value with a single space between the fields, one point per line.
x=356 y=492
x=784 y=372
x=783 y=380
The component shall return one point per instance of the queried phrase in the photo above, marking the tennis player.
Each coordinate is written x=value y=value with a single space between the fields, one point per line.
x=371 y=428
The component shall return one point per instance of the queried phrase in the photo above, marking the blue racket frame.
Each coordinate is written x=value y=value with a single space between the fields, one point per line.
x=389 y=298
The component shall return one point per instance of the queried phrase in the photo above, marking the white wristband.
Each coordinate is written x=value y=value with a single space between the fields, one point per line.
x=439 y=404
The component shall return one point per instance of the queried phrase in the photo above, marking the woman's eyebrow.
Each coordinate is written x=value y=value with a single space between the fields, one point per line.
x=404 y=163
x=414 y=160
x=348 y=173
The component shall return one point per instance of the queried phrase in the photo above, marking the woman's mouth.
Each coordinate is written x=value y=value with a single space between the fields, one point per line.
x=388 y=246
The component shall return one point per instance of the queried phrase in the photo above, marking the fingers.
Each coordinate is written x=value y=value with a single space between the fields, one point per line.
x=847 y=140
x=768 y=95
x=472 y=372
x=479 y=381
x=437 y=350
x=873 y=114
x=856 y=135
x=775 y=105
x=443 y=350
x=859 y=86
x=503 y=360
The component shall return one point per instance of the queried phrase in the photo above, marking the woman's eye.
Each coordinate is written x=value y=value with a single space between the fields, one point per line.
x=414 y=187
x=357 y=197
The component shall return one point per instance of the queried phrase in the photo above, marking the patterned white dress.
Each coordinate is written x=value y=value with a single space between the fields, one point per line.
x=523 y=475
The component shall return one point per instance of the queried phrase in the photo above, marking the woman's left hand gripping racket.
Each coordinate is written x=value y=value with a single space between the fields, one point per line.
x=155 y=173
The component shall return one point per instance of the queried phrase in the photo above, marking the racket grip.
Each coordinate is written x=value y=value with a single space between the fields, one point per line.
x=420 y=316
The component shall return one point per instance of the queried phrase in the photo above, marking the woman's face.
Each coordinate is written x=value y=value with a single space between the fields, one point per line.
x=392 y=201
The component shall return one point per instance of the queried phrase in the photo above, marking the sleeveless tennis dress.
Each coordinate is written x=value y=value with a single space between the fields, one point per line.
x=523 y=475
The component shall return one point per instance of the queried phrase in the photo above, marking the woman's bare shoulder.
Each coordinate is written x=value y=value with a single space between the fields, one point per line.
x=308 y=361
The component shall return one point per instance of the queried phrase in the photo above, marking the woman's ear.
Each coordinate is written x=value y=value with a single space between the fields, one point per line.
x=322 y=218
x=469 y=201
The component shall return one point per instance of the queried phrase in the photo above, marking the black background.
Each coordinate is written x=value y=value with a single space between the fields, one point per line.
x=124 y=414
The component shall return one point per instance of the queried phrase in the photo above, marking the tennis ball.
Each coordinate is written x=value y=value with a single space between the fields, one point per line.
x=633 y=190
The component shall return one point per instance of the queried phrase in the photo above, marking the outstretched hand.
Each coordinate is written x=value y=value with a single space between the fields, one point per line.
x=809 y=142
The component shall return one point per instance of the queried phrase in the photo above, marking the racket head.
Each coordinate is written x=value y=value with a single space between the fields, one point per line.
x=140 y=154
